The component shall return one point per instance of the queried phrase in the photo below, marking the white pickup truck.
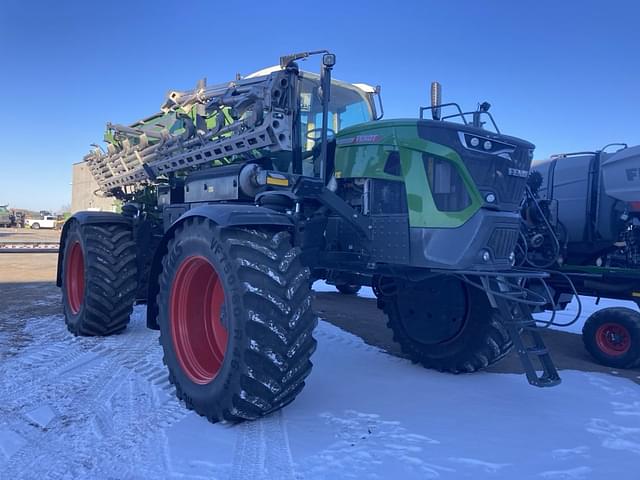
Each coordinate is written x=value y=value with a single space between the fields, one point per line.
x=44 y=222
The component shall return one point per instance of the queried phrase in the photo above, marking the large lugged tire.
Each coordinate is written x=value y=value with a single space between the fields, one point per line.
x=446 y=325
x=235 y=319
x=99 y=278
x=612 y=337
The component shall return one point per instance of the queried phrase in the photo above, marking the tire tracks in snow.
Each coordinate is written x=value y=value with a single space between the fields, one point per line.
x=262 y=450
x=102 y=407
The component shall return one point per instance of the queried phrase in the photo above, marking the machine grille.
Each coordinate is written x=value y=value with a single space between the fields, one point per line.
x=503 y=241
x=495 y=173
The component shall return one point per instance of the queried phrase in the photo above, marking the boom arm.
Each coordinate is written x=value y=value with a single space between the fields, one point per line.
x=216 y=122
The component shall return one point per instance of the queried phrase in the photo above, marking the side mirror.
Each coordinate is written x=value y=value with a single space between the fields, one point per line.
x=379 y=108
x=436 y=100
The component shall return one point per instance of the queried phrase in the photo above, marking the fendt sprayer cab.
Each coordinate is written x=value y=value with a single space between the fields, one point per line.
x=431 y=178
x=236 y=196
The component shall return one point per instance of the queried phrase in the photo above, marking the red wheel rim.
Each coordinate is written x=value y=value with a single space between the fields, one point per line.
x=199 y=337
x=613 y=339
x=74 y=277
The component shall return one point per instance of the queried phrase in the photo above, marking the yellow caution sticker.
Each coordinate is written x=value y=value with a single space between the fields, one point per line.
x=279 y=181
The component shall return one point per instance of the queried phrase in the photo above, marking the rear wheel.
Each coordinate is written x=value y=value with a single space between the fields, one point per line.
x=612 y=337
x=443 y=324
x=99 y=278
x=235 y=319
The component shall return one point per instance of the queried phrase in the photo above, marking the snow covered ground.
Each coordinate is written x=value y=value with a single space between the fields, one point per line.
x=103 y=408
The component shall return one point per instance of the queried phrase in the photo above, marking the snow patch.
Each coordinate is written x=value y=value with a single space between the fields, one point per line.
x=10 y=442
x=41 y=416
x=588 y=307
x=488 y=467
x=577 y=473
x=567 y=453
x=322 y=286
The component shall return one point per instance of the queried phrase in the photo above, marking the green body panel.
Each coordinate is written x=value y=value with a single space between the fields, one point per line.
x=362 y=152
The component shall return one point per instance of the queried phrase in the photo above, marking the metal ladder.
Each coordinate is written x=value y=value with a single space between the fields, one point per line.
x=528 y=343
x=525 y=334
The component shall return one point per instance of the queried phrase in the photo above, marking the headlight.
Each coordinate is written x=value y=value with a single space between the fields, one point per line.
x=486 y=145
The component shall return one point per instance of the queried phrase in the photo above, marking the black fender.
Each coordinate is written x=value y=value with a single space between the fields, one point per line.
x=85 y=218
x=222 y=214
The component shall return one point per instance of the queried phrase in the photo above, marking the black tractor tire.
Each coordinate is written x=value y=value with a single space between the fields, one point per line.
x=235 y=319
x=612 y=337
x=99 y=278
x=348 y=288
x=35 y=226
x=444 y=324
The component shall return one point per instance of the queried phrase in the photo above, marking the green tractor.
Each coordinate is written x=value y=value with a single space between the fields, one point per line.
x=237 y=196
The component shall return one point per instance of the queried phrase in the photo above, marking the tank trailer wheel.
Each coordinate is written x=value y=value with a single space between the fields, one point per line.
x=99 y=278
x=348 y=288
x=446 y=325
x=612 y=337
x=235 y=319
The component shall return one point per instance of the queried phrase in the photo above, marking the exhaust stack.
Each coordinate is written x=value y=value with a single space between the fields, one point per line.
x=436 y=100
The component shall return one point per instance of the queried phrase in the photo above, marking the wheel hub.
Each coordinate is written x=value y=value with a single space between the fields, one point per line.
x=198 y=334
x=613 y=339
x=435 y=311
x=74 y=277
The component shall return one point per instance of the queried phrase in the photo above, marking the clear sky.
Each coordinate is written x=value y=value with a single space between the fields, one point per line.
x=562 y=74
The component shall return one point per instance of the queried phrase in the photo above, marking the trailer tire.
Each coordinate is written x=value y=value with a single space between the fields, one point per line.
x=348 y=288
x=446 y=325
x=245 y=350
x=612 y=337
x=99 y=278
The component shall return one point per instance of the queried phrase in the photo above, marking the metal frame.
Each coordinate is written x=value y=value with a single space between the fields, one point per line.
x=476 y=115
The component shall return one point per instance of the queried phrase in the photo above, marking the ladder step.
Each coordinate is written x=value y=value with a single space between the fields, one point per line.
x=545 y=381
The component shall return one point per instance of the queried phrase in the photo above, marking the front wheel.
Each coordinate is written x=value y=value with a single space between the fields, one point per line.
x=446 y=325
x=35 y=226
x=235 y=319
x=612 y=337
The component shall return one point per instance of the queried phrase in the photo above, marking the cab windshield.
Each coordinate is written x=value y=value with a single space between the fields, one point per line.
x=348 y=106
